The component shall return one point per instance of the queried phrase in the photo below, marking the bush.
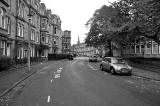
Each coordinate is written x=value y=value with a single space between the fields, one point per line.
x=5 y=62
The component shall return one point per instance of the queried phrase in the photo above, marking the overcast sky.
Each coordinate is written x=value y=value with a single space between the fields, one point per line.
x=74 y=14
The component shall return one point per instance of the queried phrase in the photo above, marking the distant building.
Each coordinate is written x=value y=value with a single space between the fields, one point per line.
x=66 y=42
x=81 y=49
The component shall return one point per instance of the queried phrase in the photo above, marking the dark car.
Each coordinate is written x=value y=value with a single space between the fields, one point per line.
x=93 y=58
x=70 y=57
x=115 y=65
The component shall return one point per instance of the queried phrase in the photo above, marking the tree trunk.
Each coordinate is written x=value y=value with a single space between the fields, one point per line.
x=110 y=48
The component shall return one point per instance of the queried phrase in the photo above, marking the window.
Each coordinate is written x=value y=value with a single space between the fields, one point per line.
x=20 y=52
x=43 y=23
x=8 y=25
x=2 y=47
x=32 y=51
x=43 y=53
x=9 y=4
x=38 y=20
x=8 y=49
x=37 y=37
x=55 y=32
x=54 y=42
x=43 y=39
x=2 y=18
x=32 y=34
x=20 y=29
x=47 y=39
x=21 y=9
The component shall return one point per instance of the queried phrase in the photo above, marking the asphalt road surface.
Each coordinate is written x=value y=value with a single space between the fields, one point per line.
x=81 y=83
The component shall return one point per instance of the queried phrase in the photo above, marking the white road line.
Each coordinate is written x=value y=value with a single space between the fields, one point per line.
x=48 y=100
x=59 y=71
x=45 y=68
x=57 y=76
x=92 y=67
x=130 y=82
x=60 y=68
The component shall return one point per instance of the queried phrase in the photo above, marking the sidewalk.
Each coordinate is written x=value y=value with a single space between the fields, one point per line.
x=10 y=77
x=149 y=74
x=146 y=71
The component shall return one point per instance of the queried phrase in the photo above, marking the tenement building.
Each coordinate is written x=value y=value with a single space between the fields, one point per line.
x=66 y=42
x=27 y=25
x=57 y=35
x=7 y=32
x=27 y=28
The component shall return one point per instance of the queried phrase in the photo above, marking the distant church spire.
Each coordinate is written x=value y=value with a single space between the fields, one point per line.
x=78 y=40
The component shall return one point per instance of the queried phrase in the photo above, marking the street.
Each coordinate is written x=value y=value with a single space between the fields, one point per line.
x=82 y=83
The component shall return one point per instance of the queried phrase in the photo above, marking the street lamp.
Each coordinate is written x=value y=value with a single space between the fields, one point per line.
x=30 y=15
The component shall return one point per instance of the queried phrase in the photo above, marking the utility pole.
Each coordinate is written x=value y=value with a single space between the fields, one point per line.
x=30 y=15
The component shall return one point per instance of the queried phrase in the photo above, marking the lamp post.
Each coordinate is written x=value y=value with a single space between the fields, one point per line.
x=30 y=15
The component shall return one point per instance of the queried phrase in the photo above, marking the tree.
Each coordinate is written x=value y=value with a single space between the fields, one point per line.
x=144 y=17
x=102 y=27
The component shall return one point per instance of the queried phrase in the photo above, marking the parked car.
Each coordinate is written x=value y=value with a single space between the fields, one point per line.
x=70 y=57
x=115 y=65
x=93 y=58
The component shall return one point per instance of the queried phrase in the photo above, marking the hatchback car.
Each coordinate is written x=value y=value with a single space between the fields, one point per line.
x=115 y=65
x=93 y=58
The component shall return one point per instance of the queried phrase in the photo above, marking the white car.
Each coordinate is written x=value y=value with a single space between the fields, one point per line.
x=115 y=65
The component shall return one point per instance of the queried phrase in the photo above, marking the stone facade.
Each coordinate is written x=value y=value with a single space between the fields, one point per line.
x=7 y=31
x=66 y=42
x=146 y=48
x=24 y=22
x=81 y=49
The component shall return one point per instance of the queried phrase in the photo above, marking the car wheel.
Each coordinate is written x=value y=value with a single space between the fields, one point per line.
x=112 y=71
x=130 y=74
x=101 y=67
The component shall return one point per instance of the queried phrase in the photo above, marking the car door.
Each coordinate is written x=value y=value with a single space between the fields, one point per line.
x=108 y=61
x=105 y=63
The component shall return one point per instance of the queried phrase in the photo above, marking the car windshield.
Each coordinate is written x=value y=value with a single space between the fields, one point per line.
x=118 y=61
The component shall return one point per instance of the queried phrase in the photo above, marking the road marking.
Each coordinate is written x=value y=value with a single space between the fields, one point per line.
x=105 y=73
x=130 y=82
x=57 y=76
x=48 y=100
x=60 y=68
x=59 y=71
x=45 y=68
x=92 y=67
x=51 y=80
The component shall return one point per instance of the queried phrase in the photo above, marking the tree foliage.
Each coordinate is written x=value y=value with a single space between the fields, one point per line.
x=123 y=22
x=144 y=17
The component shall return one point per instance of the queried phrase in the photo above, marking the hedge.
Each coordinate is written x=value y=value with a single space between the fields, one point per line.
x=5 y=62
x=57 y=56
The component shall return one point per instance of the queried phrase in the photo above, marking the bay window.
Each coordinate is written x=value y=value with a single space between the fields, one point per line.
x=2 y=18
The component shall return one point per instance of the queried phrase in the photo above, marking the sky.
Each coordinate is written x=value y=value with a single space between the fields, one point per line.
x=74 y=14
